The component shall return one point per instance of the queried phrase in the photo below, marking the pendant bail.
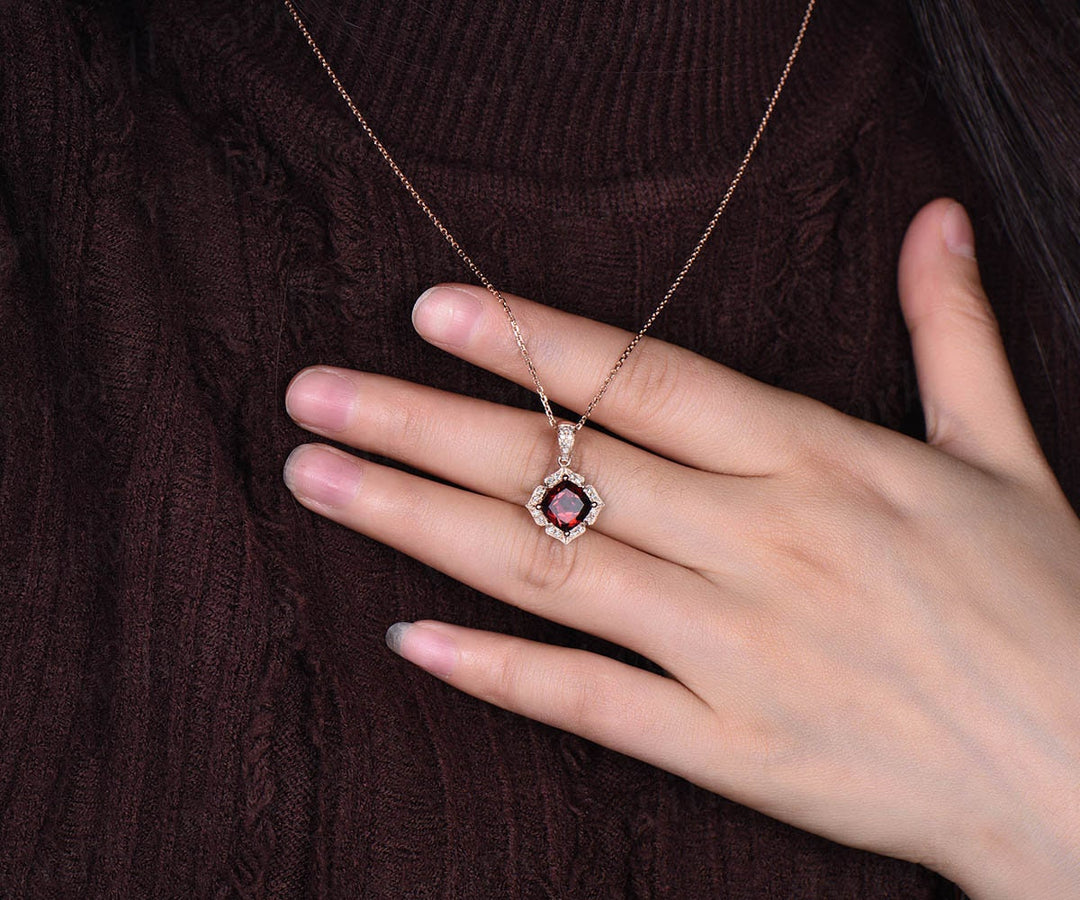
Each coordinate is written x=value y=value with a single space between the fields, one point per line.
x=563 y=504
x=566 y=443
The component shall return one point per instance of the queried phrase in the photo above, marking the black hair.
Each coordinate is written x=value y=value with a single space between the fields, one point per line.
x=1008 y=73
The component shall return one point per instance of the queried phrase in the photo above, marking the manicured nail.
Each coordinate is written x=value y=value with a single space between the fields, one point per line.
x=957 y=231
x=447 y=315
x=321 y=398
x=322 y=474
x=427 y=648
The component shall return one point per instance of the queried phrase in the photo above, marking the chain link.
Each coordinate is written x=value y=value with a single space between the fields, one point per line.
x=495 y=292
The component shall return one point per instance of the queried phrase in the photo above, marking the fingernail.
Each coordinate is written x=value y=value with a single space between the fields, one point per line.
x=320 y=398
x=957 y=231
x=427 y=648
x=447 y=315
x=322 y=474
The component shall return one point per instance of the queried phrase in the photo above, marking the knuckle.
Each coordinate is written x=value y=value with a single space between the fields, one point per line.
x=406 y=422
x=772 y=526
x=577 y=697
x=802 y=537
x=593 y=701
x=974 y=309
x=654 y=385
x=506 y=678
x=542 y=565
x=410 y=508
x=815 y=435
x=967 y=309
x=583 y=697
x=765 y=749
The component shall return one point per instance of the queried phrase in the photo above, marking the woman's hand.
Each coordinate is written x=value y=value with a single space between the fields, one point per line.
x=870 y=637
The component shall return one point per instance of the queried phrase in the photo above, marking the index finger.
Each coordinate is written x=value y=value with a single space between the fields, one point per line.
x=666 y=398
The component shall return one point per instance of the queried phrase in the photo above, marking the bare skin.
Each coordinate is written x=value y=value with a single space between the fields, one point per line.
x=867 y=636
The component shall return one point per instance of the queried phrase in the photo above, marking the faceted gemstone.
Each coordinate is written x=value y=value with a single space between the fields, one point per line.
x=565 y=505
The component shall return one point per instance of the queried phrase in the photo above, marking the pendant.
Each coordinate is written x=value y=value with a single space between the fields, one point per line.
x=564 y=505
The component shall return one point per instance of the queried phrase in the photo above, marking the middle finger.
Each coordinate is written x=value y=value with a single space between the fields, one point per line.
x=651 y=503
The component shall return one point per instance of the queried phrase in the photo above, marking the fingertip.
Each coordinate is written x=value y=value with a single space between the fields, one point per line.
x=394 y=635
x=937 y=256
x=321 y=397
x=431 y=649
x=447 y=314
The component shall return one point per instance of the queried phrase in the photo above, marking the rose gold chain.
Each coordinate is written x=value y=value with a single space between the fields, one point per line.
x=495 y=292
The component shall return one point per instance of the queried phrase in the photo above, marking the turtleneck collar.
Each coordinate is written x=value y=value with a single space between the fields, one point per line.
x=551 y=90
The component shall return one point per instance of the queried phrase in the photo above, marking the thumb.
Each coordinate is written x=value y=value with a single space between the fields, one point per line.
x=972 y=407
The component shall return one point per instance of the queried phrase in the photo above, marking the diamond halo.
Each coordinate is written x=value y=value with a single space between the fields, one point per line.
x=564 y=505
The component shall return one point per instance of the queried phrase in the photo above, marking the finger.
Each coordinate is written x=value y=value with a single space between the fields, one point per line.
x=622 y=707
x=594 y=584
x=971 y=404
x=650 y=503
x=666 y=398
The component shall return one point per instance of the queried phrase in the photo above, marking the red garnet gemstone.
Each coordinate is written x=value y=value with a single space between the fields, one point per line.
x=566 y=505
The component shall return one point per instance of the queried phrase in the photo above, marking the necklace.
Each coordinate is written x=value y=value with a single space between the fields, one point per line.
x=563 y=504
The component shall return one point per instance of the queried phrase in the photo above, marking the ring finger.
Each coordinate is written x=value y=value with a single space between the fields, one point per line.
x=598 y=584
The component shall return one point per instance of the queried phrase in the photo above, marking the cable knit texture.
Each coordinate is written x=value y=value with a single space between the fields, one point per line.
x=195 y=698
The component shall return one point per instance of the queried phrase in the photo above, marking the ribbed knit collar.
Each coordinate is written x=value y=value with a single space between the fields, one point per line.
x=549 y=90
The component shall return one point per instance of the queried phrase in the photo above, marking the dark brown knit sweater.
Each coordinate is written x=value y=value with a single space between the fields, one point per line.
x=195 y=697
